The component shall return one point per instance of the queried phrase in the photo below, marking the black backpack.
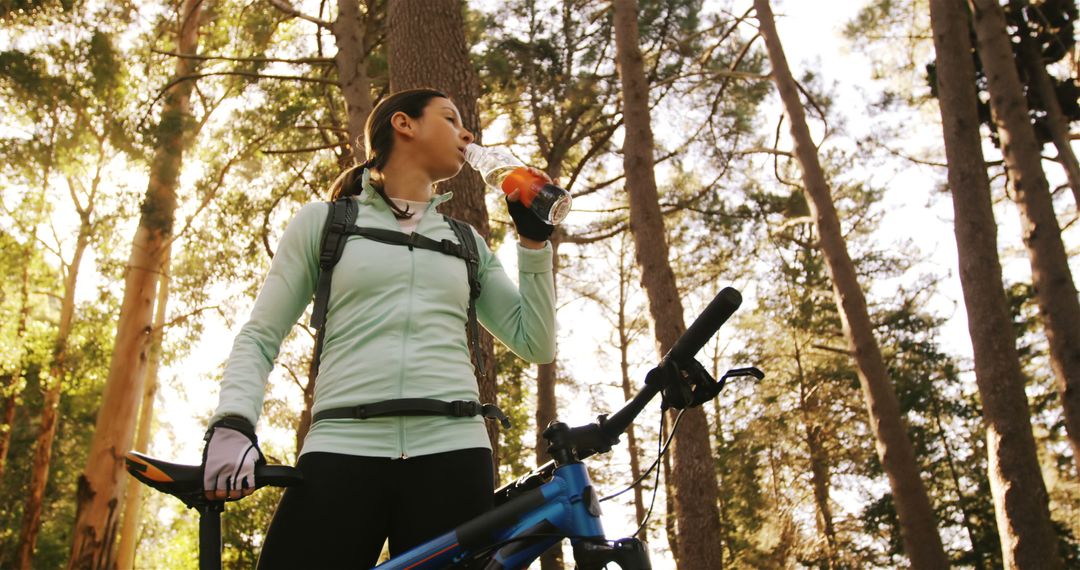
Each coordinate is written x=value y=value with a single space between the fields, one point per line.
x=340 y=224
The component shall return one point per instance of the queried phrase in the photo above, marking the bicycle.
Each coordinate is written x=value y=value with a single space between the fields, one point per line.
x=554 y=502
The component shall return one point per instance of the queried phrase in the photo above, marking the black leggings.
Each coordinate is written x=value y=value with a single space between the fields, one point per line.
x=349 y=505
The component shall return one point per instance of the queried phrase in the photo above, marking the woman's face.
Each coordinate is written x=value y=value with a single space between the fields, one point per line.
x=441 y=139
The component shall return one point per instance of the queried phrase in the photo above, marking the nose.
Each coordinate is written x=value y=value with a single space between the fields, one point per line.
x=468 y=136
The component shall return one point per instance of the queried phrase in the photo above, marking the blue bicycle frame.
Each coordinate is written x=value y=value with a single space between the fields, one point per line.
x=566 y=506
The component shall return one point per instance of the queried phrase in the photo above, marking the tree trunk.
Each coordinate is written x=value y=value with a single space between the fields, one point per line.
x=100 y=491
x=53 y=385
x=546 y=412
x=917 y=521
x=1059 y=307
x=305 y=416
x=353 y=45
x=1020 y=498
x=13 y=384
x=693 y=474
x=625 y=334
x=810 y=406
x=426 y=48
x=129 y=532
x=1056 y=122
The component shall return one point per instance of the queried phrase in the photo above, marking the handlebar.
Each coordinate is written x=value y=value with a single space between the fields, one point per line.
x=683 y=380
x=703 y=328
x=185 y=481
x=699 y=332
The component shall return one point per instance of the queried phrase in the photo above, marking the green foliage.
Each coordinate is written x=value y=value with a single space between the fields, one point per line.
x=90 y=349
x=516 y=398
x=945 y=427
x=244 y=525
x=32 y=8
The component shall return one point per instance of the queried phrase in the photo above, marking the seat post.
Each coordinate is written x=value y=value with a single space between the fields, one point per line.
x=210 y=535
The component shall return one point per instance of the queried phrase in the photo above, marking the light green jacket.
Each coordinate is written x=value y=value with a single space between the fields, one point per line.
x=395 y=328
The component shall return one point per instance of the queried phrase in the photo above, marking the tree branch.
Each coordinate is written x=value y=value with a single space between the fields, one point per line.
x=241 y=74
x=220 y=182
x=300 y=61
x=180 y=319
x=843 y=351
x=300 y=150
x=289 y=10
x=587 y=239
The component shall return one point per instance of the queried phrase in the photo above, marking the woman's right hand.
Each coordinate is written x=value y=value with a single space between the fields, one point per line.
x=229 y=459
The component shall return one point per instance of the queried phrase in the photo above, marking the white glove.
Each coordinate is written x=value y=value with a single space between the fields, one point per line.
x=229 y=459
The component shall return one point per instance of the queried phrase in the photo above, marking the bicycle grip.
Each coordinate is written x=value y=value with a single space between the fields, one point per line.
x=277 y=476
x=720 y=309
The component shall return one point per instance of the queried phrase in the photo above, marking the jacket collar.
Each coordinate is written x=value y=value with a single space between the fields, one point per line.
x=370 y=197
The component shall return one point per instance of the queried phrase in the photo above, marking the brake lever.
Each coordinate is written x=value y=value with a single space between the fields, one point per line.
x=748 y=371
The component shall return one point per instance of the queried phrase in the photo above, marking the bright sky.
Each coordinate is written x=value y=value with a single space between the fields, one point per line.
x=813 y=41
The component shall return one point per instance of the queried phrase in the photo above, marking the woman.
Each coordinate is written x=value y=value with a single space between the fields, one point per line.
x=395 y=329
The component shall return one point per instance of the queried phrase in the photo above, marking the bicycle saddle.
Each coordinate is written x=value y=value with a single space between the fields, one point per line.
x=185 y=481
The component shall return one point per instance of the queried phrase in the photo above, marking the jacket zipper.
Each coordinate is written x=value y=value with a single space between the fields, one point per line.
x=404 y=350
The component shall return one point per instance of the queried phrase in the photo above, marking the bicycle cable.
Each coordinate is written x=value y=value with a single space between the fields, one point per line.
x=660 y=455
x=655 y=465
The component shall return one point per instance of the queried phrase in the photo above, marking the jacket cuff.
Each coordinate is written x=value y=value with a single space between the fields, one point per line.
x=535 y=260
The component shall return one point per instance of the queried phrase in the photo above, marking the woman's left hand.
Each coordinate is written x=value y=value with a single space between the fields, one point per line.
x=532 y=231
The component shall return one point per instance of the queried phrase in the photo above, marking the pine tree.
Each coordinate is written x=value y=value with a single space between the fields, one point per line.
x=1020 y=499
x=695 y=488
x=1059 y=305
x=922 y=542
x=100 y=488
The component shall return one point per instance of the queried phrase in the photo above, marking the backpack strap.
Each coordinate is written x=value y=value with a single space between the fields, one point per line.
x=472 y=262
x=339 y=220
x=341 y=223
x=412 y=241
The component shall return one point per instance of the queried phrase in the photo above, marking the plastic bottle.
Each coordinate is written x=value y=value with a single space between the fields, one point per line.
x=502 y=171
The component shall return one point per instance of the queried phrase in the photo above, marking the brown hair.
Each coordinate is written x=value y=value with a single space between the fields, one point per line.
x=379 y=142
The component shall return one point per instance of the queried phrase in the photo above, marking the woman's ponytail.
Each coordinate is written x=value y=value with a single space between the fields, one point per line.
x=351 y=183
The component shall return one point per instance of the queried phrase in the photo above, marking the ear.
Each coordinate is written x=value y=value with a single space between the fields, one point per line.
x=403 y=124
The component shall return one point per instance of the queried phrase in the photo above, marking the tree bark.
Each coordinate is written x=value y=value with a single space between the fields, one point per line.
x=1020 y=498
x=53 y=386
x=129 y=532
x=1058 y=125
x=1055 y=290
x=305 y=415
x=100 y=491
x=693 y=474
x=353 y=46
x=917 y=521
x=426 y=48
